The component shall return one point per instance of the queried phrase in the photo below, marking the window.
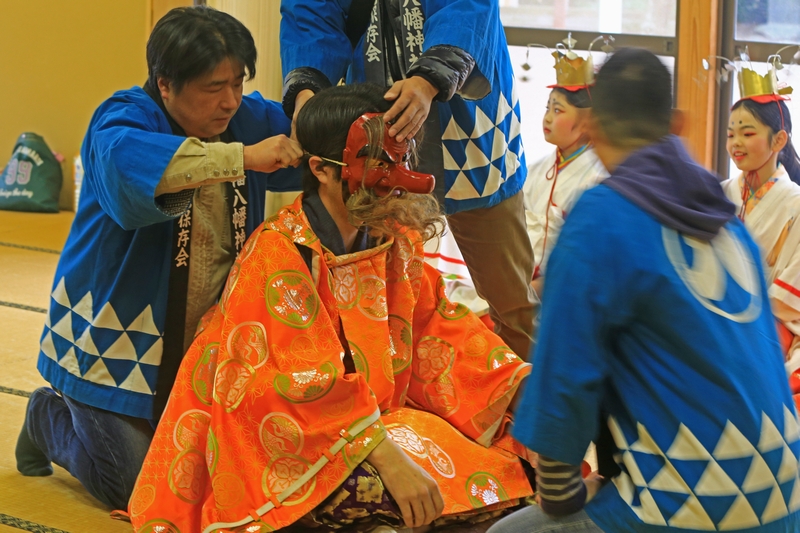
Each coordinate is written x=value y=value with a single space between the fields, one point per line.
x=637 y=17
x=768 y=20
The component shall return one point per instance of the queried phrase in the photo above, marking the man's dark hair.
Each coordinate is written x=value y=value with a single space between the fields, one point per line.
x=189 y=42
x=580 y=98
x=632 y=98
x=324 y=122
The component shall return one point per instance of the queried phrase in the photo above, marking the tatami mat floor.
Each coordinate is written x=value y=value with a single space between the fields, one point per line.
x=29 y=247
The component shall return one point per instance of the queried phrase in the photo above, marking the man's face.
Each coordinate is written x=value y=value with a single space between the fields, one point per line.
x=205 y=105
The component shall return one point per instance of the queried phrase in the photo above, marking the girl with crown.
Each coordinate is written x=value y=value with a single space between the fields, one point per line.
x=767 y=196
x=556 y=182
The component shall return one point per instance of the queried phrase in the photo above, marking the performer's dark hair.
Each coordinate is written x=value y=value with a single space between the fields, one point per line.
x=632 y=98
x=580 y=98
x=776 y=116
x=189 y=42
x=333 y=111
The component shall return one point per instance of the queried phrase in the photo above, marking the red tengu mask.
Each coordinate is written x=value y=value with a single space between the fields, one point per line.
x=389 y=172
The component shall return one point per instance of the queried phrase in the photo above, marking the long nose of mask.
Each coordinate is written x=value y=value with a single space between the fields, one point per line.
x=391 y=172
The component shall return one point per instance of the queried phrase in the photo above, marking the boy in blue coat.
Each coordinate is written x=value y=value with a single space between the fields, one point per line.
x=656 y=323
x=175 y=177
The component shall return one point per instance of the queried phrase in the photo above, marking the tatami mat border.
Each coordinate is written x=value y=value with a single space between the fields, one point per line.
x=23 y=307
x=15 y=392
x=31 y=248
x=25 y=525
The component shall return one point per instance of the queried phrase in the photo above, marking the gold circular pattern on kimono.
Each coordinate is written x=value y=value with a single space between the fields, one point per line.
x=212 y=452
x=359 y=360
x=502 y=355
x=304 y=348
x=283 y=472
x=231 y=383
x=476 y=345
x=372 y=298
x=248 y=342
x=439 y=459
x=338 y=409
x=434 y=358
x=249 y=246
x=400 y=343
x=344 y=281
x=451 y=310
x=306 y=385
x=407 y=438
x=280 y=433
x=186 y=476
x=203 y=373
x=441 y=396
x=484 y=489
x=292 y=299
x=142 y=498
x=159 y=525
x=288 y=223
x=190 y=429
x=229 y=490
x=230 y=285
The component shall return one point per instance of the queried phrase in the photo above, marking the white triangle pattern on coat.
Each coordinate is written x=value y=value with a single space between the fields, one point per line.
x=715 y=484
x=122 y=349
x=60 y=294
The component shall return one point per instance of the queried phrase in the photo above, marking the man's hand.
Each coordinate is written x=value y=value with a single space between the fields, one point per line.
x=299 y=101
x=413 y=98
x=415 y=492
x=272 y=154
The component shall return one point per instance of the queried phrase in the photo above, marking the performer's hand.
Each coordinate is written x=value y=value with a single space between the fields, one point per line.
x=299 y=101
x=413 y=489
x=413 y=98
x=272 y=154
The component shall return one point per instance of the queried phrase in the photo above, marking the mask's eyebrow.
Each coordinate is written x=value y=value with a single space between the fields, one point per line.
x=364 y=152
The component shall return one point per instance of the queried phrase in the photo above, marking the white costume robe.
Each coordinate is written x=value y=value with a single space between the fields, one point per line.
x=773 y=223
x=584 y=172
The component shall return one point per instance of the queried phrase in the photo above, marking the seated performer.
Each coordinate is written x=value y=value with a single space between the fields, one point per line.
x=556 y=182
x=331 y=335
x=767 y=197
x=656 y=321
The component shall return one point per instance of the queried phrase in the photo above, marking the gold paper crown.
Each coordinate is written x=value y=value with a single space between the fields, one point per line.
x=752 y=84
x=575 y=72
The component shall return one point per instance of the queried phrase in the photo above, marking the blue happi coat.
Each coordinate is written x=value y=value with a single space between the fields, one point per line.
x=672 y=340
x=102 y=340
x=481 y=144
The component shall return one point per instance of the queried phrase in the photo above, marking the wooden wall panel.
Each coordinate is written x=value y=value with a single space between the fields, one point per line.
x=262 y=18
x=159 y=8
x=697 y=89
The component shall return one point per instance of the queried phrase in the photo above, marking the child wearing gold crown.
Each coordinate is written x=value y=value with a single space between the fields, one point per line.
x=767 y=197
x=556 y=182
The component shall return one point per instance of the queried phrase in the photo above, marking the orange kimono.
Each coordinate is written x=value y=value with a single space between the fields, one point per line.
x=263 y=422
